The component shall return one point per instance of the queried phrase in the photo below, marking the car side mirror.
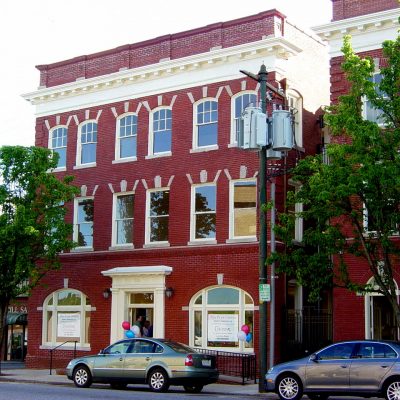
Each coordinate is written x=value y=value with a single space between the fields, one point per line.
x=101 y=351
x=314 y=358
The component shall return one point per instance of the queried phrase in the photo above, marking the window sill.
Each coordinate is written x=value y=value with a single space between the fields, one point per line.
x=70 y=347
x=89 y=165
x=232 y=145
x=158 y=155
x=58 y=169
x=156 y=244
x=123 y=160
x=205 y=148
x=201 y=242
x=243 y=240
x=121 y=247
x=82 y=249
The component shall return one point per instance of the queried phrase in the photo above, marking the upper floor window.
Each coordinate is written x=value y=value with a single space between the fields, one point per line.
x=243 y=209
x=87 y=143
x=296 y=210
x=206 y=124
x=238 y=103
x=66 y=317
x=123 y=219
x=204 y=212
x=83 y=222
x=370 y=113
x=126 y=137
x=157 y=220
x=295 y=103
x=58 y=144
x=160 y=131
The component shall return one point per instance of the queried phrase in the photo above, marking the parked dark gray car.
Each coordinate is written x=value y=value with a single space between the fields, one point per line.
x=158 y=362
x=363 y=368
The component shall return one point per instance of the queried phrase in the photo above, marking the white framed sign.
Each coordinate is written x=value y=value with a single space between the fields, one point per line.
x=69 y=325
x=222 y=327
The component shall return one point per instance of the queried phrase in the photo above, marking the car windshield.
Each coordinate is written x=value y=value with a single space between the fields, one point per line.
x=179 y=347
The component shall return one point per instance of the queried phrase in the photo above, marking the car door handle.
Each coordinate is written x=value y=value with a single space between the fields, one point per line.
x=148 y=358
x=120 y=359
x=344 y=366
x=384 y=366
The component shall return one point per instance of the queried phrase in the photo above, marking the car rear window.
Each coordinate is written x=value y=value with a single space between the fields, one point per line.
x=180 y=347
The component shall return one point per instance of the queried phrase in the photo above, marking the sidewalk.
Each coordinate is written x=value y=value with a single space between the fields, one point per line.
x=43 y=376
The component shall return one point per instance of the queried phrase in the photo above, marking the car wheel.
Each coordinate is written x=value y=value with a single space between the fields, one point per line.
x=289 y=388
x=82 y=377
x=118 y=386
x=158 y=380
x=193 y=388
x=392 y=391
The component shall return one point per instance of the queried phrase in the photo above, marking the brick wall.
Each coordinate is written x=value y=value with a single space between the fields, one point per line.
x=343 y=9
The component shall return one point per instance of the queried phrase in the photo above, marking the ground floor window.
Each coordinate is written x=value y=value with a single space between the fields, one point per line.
x=66 y=318
x=218 y=315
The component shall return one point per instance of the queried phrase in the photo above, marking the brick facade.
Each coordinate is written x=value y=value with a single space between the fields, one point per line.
x=343 y=9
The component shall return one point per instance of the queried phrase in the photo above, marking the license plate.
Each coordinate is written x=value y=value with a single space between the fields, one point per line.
x=206 y=363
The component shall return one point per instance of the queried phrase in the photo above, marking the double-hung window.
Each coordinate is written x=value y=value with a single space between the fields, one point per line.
x=58 y=144
x=126 y=140
x=238 y=104
x=243 y=209
x=157 y=211
x=123 y=219
x=87 y=143
x=83 y=222
x=370 y=113
x=204 y=212
x=160 y=132
x=295 y=103
x=206 y=124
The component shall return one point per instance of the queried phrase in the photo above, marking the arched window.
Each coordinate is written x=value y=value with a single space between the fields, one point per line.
x=66 y=317
x=238 y=103
x=126 y=140
x=58 y=144
x=217 y=315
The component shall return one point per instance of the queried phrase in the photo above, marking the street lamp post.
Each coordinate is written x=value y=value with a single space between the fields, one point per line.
x=262 y=79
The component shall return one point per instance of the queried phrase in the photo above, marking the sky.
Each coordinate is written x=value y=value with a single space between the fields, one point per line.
x=36 y=32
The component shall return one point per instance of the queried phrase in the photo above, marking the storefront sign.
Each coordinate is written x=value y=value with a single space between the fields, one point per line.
x=69 y=325
x=223 y=327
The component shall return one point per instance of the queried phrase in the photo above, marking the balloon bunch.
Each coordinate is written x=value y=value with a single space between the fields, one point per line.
x=244 y=334
x=130 y=332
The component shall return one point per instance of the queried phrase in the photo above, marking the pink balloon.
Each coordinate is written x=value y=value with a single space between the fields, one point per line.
x=245 y=329
x=126 y=325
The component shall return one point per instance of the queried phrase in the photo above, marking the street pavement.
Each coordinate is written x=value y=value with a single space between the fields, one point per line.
x=17 y=373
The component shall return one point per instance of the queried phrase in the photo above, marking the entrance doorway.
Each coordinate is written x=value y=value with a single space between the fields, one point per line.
x=141 y=306
x=382 y=321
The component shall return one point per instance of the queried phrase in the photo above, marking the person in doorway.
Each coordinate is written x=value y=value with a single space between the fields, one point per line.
x=147 y=329
x=139 y=323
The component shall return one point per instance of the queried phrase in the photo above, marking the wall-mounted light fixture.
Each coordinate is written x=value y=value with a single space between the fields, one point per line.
x=169 y=292
x=106 y=293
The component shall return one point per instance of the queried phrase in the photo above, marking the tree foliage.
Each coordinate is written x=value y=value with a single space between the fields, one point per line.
x=351 y=197
x=32 y=227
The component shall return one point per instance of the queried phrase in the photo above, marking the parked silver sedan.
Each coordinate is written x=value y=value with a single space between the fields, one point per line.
x=363 y=368
x=158 y=362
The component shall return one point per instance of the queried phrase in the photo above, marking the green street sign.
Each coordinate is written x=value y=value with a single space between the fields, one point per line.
x=265 y=292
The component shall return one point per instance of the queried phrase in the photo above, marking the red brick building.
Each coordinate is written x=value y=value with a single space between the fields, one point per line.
x=166 y=222
x=369 y=22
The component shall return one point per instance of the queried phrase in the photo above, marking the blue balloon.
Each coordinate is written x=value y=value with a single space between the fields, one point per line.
x=129 y=334
x=249 y=336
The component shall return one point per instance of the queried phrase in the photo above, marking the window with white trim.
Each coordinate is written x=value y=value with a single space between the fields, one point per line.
x=87 y=143
x=58 y=144
x=123 y=219
x=66 y=317
x=204 y=212
x=157 y=211
x=126 y=140
x=217 y=315
x=243 y=209
x=83 y=222
x=370 y=113
x=205 y=133
x=295 y=103
x=160 y=135
x=238 y=103
x=297 y=209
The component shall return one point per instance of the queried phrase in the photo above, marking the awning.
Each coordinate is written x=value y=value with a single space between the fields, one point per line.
x=14 y=318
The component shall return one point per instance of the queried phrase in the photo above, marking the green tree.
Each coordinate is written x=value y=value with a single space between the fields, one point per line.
x=32 y=227
x=351 y=198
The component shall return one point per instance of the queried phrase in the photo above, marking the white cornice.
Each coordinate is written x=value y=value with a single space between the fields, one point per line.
x=367 y=31
x=145 y=270
x=280 y=47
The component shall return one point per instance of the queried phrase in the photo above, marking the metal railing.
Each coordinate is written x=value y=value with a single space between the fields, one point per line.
x=240 y=365
x=55 y=348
